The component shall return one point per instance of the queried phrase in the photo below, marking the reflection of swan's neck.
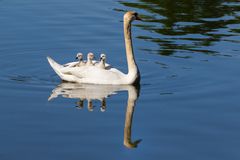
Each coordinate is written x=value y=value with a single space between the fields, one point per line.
x=132 y=97
x=128 y=125
x=132 y=67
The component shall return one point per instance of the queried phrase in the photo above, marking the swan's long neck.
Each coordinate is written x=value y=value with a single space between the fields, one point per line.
x=132 y=66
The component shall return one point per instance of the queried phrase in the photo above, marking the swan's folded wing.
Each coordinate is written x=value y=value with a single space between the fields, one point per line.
x=106 y=64
x=95 y=73
x=77 y=72
x=70 y=64
x=116 y=71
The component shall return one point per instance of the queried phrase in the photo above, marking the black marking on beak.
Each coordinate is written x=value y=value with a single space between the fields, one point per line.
x=137 y=17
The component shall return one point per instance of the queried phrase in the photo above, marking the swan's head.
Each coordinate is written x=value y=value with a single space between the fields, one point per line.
x=131 y=16
x=90 y=56
x=79 y=56
x=102 y=57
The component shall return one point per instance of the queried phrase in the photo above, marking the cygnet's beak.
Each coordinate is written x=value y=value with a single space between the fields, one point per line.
x=76 y=57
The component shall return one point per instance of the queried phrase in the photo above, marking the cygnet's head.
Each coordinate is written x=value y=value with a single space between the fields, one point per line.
x=102 y=57
x=131 y=16
x=79 y=56
x=90 y=56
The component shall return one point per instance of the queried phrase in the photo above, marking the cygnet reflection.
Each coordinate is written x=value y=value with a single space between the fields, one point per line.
x=86 y=94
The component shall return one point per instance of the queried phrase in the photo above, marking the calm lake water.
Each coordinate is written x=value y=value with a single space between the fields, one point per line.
x=186 y=107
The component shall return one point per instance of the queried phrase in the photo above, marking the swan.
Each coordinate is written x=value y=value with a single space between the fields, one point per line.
x=90 y=74
x=82 y=62
x=102 y=61
x=90 y=58
x=80 y=58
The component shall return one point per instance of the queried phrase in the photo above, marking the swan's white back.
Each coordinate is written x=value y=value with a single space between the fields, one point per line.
x=88 y=74
x=93 y=74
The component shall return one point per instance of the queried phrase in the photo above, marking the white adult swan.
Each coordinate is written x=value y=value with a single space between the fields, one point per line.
x=96 y=75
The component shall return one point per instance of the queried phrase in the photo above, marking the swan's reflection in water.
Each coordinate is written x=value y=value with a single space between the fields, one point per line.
x=86 y=92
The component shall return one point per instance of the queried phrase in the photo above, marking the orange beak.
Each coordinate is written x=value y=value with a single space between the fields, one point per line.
x=138 y=18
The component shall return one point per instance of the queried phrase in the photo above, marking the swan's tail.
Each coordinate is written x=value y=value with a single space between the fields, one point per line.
x=53 y=63
x=56 y=67
x=59 y=69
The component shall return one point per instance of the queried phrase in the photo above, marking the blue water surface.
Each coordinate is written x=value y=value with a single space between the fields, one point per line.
x=187 y=104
